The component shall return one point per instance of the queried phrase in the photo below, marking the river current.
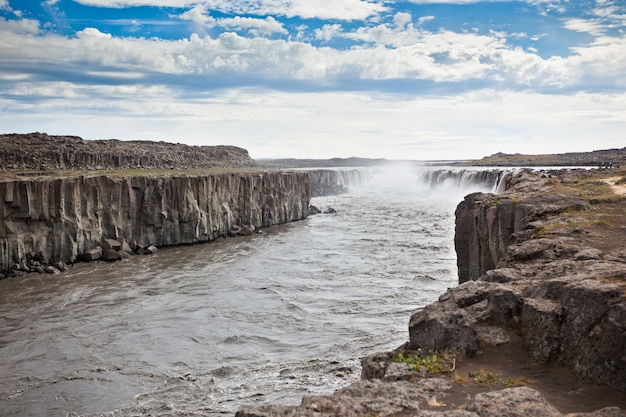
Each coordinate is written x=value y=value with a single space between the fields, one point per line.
x=207 y=329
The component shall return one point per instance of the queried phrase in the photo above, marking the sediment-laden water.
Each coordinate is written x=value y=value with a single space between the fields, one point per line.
x=206 y=329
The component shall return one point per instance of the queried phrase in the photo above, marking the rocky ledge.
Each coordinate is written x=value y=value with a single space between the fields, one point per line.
x=536 y=326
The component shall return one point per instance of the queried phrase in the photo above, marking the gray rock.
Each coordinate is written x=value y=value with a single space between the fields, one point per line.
x=513 y=402
x=146 y=210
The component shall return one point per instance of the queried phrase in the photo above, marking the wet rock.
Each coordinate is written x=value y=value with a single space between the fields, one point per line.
x=313 y=210
x=330 y=210
x=109 y=245
x=111 y=255
x=91 y=254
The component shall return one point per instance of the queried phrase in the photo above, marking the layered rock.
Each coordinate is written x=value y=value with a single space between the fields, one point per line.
x=52 y=220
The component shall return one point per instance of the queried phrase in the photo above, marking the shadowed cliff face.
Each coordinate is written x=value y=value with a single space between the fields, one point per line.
x=53 y=220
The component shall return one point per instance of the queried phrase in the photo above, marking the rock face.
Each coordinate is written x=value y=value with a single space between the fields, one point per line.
x=52 y=219
x=564 y=298
x=41 y=151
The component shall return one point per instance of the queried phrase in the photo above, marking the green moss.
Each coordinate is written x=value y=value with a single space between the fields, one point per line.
x=432 y=363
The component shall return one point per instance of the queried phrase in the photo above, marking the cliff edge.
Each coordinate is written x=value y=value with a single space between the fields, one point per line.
x=537 y=326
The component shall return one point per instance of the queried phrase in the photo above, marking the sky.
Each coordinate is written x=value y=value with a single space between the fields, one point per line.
x=413 y=79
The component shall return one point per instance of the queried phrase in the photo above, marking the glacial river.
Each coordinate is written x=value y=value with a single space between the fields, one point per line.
x=207 y=329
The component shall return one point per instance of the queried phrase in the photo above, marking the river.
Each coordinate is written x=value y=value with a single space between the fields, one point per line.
x=207 y=329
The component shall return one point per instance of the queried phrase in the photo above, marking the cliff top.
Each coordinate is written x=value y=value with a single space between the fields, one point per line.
x=40 y=151
x=594 y=158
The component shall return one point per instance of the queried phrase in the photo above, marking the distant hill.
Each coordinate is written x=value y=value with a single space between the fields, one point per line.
x=320 y=163
x=594 y=158
x=42 y=152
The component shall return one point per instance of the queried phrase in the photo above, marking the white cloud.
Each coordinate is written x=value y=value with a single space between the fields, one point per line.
x=308 y=9
x=257 y=27
x=17 y=28
x=593 y=27
x=401 y=19
x=327 y=32
x=397 y=52
x=324 y=125
x=199 y=15
x=4 y=5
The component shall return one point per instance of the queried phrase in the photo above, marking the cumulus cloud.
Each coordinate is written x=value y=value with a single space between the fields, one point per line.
x=257 y=27
x=399 y=51
x=16 y=28
x=198 y=14
x=327 y=32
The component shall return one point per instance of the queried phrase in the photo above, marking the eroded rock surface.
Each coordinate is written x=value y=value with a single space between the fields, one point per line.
x=49 y=220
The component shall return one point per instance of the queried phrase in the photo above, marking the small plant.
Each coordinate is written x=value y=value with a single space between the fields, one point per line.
x=519 y=382
x=483 y=377
x=432 y=363
x=459 y=379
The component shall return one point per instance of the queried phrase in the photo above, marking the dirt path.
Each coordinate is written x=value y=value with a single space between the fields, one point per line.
x=618 y=189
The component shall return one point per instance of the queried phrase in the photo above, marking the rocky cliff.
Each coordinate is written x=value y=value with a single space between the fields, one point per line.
x=40 y=151
x=537 y=326
x=47 y=220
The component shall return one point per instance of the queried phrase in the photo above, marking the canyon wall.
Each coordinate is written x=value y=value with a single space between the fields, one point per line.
x=60 y=219
x=550 y=266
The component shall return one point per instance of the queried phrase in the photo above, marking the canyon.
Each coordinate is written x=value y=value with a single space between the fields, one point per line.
x=536 y=325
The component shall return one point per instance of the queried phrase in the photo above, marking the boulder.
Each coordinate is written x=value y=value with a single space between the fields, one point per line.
x=92 y=254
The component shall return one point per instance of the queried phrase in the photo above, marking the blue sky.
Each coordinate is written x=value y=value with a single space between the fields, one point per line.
x=418 y=79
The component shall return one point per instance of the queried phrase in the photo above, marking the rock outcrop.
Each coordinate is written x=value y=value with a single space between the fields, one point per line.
x=49 y=220
x=537 y=293
x=40 y=151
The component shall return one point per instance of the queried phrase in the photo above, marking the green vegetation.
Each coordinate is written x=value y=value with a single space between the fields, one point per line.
x=483 y=377
x=432 y=363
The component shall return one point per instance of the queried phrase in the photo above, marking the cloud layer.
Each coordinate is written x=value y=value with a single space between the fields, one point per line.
x=278 y=76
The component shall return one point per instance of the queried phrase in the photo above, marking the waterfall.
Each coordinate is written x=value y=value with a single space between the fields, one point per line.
x=492 y=180
x=332 y=181
x=337 y=181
